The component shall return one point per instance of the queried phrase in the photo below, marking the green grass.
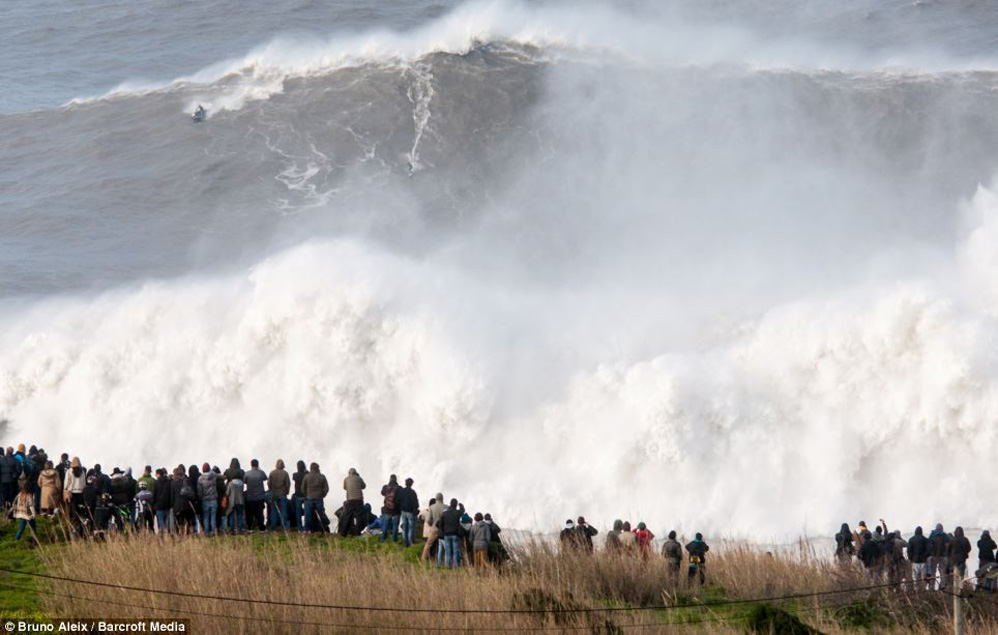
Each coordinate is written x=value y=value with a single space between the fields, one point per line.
x=19 y=597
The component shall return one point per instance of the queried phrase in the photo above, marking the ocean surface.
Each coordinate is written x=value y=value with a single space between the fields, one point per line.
x=727 y=266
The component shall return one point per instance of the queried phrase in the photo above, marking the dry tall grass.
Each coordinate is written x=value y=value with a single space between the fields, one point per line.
x=327 y=570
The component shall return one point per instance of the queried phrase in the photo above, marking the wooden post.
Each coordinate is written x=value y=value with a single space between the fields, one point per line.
x=957 y=603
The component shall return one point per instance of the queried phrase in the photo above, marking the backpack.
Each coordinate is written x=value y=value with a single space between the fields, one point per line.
x=186 y=491
x=390 y=497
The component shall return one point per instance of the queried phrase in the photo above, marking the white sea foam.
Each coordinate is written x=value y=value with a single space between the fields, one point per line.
x=808 y=413
x=603 y=32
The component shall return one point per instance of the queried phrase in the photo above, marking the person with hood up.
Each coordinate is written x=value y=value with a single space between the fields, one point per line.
x=10 y=472
x=279 y=486
x=612 y=542
x=844 y=545
x=672 y=551
x=697 y=550
x=298 y=498
x=51 y=488
x=644 y=536
x=430 y=519
x=391 y=513
x=497 y=550
x=235 y=512
x=193 y=474
x=353 y=508
x=918 y=554
x=958 y=552
x=939 y=556
x=183 y=501
x=315 y=487
x=208 y=495
x=162 y=494
x=408 y=503
x=985 y=549
x=985 y=560
x=255 y=496
x=481 y=536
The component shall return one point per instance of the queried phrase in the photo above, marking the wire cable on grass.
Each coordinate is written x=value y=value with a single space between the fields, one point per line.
x=387 y=609
x=392 y=626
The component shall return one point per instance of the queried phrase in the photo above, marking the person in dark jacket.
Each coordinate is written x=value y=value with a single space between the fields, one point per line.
x=959 y=551
x=123 y=488
x=63 y=467
x=844 y=547
x=103 y=480
x=939 y=556
x=234 y=471
x=918 y=554
x=584 y=534
x=985 y=549
x=408 y=504
x=450 y=529
x=256 y=495
x=183 y=500
x=162 y=501
x=391 y=513
x=870 y=555
x=193 y=474
x=10 y=471
x=298 y=499
x=697 y=550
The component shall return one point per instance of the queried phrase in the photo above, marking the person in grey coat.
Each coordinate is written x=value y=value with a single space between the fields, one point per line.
x=255 y=496
x=279 y=486
x=481 y=535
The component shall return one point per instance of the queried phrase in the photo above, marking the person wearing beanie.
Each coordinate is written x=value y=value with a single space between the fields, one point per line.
x=672 y=551
x=208 y=494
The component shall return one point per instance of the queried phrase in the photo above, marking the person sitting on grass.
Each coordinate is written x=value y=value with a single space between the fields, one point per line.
x=24 y=510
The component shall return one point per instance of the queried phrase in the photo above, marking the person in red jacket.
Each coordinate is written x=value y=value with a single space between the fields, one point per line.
x=644 y=537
